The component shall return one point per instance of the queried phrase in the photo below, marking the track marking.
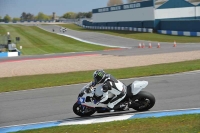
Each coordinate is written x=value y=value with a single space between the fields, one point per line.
x=38 y=125
x=47 y=58
x=73 y=37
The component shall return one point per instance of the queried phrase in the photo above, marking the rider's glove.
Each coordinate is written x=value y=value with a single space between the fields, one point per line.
x=93 y=83
x=105 y=88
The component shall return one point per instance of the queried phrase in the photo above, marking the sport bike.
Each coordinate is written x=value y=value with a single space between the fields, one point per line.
x=89 y=97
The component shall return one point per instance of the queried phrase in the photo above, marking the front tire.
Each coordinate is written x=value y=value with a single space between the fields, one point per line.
x=143 y=101
x=77 y=108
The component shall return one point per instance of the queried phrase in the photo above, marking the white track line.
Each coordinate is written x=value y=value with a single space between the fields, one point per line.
x=84 y=40
x=100 y=119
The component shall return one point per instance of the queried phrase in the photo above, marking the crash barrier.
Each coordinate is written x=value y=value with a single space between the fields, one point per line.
x=117 y=28
x=136 y=24
x=10 y=54
x=98 y=120
x=40 y=21
x=26 y=22
x=180 y=25
x=19 y=52
x=179 y=33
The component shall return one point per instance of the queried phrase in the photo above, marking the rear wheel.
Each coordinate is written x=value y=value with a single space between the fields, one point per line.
x=143 y=101
x=83 y=111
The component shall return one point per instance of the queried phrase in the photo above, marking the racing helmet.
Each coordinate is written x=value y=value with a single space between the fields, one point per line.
x=99 y=76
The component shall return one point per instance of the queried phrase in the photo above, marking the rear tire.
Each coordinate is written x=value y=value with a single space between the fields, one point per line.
x=143 y=101
x=87 y=112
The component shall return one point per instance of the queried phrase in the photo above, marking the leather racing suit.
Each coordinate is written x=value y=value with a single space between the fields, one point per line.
x=114 y=86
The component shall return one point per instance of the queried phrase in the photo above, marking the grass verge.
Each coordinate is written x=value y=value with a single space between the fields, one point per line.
x=139 y=35
x=175 y=124
x=2 y=31
x=47 y=80
x=37 y=41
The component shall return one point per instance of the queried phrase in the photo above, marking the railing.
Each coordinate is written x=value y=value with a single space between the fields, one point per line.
x=117 y=28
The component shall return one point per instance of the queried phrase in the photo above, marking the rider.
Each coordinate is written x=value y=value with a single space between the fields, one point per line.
x=112 y=85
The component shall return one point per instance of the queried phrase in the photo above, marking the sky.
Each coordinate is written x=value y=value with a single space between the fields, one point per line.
x=14 y=8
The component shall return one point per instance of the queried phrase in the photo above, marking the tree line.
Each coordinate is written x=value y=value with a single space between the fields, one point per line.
x=41 y=16
x=119 y=2
x=27 y=17
x=73 y=15
x=68 y=15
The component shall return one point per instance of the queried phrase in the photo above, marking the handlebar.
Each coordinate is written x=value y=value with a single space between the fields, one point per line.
x=90 y=89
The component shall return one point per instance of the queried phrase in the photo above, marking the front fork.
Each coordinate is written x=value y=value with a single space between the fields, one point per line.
x=83 y=109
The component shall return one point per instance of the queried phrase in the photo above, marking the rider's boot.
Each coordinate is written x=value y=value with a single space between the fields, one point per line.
x=111 y=109
x=126 y=108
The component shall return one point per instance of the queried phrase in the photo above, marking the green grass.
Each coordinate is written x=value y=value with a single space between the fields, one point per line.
x=2 y=31
x=139 y=35
x=48 y=80
x=3 y=38
x=37 y=41
x=175 y=124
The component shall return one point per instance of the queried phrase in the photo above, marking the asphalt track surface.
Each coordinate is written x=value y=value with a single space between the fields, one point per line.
x=124 y=42
x=178 y=91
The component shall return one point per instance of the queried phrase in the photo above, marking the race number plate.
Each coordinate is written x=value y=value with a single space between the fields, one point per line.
x=81 y=100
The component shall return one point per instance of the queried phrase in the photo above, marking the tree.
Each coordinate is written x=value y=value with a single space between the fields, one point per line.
x=80 y=15
x=42 y=16
x=70 y=15
x=16 y=19
x=131 y=1
x=84 y=15
x=7 y=18
x=50 y=17
x=89 y=15
x=27 y=16
x=23 y=16
x=0 y=17
x=35 y=17
x=114 y=2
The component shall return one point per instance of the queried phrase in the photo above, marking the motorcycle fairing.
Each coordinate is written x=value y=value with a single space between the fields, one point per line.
x=93 y=104
x=81 y=100
x=137 y=86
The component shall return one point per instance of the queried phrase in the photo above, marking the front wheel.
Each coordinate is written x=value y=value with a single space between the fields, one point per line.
x=83 y=111
x=143 y=101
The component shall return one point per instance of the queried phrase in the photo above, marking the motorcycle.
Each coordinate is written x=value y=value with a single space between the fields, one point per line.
x=89 y=97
